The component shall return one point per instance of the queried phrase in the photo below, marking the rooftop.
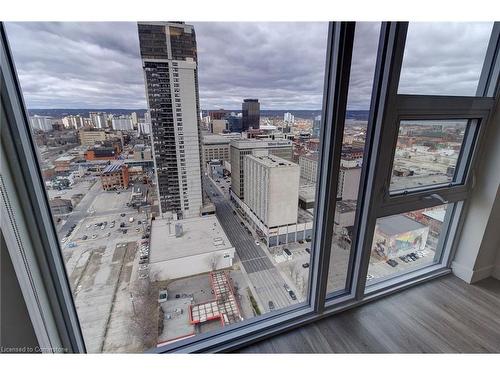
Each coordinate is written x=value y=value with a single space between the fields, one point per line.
x=64 y=158
x=396 y=224
x=271 y=161
x=436 y=214
x=113 y=168
x=199 y=235
x=259 y=143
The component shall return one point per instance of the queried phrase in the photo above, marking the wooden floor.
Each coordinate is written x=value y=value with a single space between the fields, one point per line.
x=442 y=316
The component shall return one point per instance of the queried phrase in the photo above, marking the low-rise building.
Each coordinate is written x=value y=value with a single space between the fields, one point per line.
x=63 y=163
x=115 y=176
x=188 y=247
x=101 y=153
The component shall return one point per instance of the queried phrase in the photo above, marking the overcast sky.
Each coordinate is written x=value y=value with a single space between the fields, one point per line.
x=97 y=65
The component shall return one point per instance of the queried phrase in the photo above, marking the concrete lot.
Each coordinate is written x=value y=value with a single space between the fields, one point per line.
x=103 y=271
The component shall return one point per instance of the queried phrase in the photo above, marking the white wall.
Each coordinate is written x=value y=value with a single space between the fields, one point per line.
x=192 y=265
x=478 y=250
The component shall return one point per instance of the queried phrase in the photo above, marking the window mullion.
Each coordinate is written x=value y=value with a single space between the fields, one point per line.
x=387 y=71
x=340 y=44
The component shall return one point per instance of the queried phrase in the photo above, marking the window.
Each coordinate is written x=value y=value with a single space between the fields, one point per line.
x=427 y=152
x=360 y=193
x=408 y=241
x=444 y=58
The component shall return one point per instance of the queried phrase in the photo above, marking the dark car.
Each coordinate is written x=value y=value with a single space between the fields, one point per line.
x=305 y=265
x=308 y=251
x=122 y=224
x=122 y=215
x=85 y=237
x=392 y=263
x=271 y=305
x=292 y=295
x=300 y=241
x=413 y=256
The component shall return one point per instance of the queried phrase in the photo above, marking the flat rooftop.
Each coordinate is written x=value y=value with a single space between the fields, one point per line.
x=392 y=225
x=436 y=214
x=272 y=161
x=258 y=143
x=200 y=235
x=176 y=323
x=307 y=193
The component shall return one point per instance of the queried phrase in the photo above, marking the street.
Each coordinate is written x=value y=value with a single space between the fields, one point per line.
x=268 y=283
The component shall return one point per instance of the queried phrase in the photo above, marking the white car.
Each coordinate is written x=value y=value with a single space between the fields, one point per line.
x=257 y=243
x=64 y=239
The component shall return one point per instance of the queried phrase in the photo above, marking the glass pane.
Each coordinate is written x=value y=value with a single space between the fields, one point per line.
x=406 y=242
x=358 y=106
x=444 y=58
x=161 y=241
x=427 y=153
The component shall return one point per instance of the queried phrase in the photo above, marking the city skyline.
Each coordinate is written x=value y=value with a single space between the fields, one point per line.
x=97 y=65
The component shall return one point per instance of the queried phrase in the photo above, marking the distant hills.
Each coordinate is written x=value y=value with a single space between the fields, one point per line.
x=309 y=114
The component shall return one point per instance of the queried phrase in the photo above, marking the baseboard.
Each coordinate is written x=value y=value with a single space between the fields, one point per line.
x=472 y=276
x=496 y=272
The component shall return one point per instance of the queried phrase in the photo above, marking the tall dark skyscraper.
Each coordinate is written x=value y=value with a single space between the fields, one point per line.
x=251 y=114
x=169 y=60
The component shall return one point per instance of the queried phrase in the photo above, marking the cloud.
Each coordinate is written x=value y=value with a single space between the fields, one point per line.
x=97 y=65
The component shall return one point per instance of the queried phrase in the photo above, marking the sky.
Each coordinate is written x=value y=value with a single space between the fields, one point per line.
x=97 y=65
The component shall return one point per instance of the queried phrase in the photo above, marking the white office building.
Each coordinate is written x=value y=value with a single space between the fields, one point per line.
x=272 y=189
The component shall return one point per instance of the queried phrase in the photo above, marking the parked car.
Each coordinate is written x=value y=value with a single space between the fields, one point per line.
x=308 y=251
x=305 y=265
x=122 y=215
x=292 y=295
x=122 y=224
x=94 y=236
x=257 y=243
x=271 y=305
x=392 y=263
x=85 y=237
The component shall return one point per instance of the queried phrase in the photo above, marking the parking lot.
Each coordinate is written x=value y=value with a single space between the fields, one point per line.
x=101 y=260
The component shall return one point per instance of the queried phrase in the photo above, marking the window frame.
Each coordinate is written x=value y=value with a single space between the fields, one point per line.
x=389 y=110
x=49 y=263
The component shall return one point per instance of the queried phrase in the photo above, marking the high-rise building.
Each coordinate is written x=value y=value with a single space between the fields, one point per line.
x=122 y=123
x=218 y=126
x=272 y=189
x=316 y=126
x=250 y=109
x=99 y=119
x=43 y=123
x=288 y=118
x=234 y=123
x=73 y=122
x=169 y=60
x=241 y=147
x=135 y=120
